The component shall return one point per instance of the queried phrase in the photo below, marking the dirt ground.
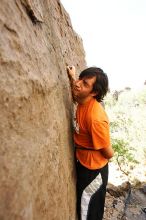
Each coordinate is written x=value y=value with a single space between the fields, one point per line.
x=126 y=195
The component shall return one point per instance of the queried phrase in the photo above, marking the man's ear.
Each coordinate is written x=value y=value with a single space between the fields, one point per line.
x=94 y=94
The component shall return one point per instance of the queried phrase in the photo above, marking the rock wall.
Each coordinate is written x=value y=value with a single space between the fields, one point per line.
x=37 y=175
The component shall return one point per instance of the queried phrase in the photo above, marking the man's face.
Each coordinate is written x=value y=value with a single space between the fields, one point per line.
x=82 y=89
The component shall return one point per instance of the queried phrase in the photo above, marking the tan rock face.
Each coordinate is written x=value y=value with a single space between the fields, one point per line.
x=37 y=175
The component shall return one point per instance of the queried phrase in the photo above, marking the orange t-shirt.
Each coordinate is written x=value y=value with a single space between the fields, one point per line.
x=92 y=131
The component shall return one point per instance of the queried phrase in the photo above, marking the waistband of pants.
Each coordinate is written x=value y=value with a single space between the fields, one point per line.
x=84 y=148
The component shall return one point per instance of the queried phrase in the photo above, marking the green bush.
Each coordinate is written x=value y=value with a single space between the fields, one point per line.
x=127 y=116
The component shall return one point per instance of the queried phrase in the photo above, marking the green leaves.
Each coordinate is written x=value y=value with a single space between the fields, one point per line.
x=127 y=114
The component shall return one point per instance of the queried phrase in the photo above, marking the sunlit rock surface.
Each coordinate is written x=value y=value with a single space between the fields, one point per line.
x=37 y=175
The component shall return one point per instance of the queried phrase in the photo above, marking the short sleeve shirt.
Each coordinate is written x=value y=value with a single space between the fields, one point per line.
x=92 y=131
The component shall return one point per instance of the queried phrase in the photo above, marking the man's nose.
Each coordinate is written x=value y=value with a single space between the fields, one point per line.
x=78 y=83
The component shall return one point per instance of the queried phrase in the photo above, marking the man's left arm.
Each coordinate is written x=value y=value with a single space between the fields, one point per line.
x=107 y=152
x=101 y=138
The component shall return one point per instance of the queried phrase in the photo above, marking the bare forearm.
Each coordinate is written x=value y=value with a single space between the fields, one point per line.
x=72 y=77
x=72 y=81
x=107 y=152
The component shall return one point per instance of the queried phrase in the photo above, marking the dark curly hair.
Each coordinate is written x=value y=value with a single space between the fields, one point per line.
x=101 y=84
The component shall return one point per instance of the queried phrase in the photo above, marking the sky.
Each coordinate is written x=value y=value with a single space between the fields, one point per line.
x=114 y=37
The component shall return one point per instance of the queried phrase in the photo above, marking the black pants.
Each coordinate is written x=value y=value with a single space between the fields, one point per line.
x=91 y=196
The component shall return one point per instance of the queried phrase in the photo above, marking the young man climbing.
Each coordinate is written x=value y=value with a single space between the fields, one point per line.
x=92 y=141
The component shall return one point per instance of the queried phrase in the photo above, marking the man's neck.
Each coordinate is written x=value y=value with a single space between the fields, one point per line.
x=85 y=100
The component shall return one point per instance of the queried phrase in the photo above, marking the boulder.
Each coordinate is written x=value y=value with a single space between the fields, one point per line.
x=37 y=172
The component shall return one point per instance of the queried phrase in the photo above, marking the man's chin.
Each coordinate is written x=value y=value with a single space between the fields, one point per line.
x=76 y=98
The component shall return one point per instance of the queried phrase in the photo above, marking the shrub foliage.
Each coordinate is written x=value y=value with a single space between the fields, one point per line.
x=127 y=113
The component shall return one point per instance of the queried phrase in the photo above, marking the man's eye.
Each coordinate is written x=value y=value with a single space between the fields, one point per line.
x=85 y=83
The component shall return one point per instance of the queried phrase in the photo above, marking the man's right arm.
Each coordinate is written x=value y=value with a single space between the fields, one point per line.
x=71 y=71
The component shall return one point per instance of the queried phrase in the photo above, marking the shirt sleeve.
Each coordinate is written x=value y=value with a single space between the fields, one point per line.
x=100 y=133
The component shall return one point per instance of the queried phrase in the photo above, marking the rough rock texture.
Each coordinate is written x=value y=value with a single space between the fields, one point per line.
x=126 y=195
x=125 y=204
x=37 y=178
